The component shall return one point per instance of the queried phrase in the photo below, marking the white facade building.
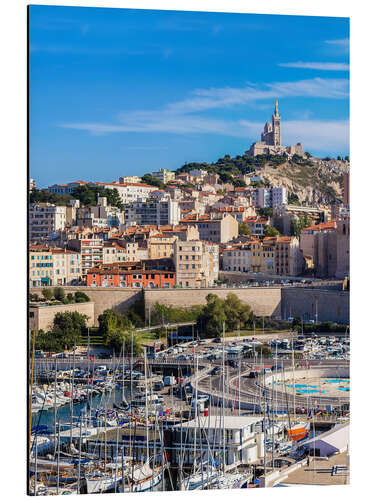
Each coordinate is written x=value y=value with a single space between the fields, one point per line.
x=152 y=213
x=130 y=179
x=241 y=436
x=45 y=219
x=269 y=197
x=131 y=191
x=164 y=175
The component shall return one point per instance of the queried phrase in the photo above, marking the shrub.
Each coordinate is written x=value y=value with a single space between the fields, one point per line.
x=59 y=293
x=47 y=293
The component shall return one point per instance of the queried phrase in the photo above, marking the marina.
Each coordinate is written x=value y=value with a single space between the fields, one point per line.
x=136 y=424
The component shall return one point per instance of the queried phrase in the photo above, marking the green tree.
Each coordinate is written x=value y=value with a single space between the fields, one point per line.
x=270 y=231
x=238 y=183
x=47 y=293
x=308 y=155
x=80 y=297
x=237 y=314
x=153 y=181
x=70 y=298
x=212 y=316
x=44 y=196
x=47 y=341
x=110 y=321
x=347 y=158
x=243 y=229
x=265 y=212
x=118 y=338
x=114 y=198
x=339 y=157
x=66 y=331
x=293 y=199
x=297 y=323
x=59 y=293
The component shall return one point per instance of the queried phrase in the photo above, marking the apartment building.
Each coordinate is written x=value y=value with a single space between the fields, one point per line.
x=196 y=263
x=65 y=188
x=161 y=245
x=215 y=230
x=269 y=197
x=197 y=172
x=257 y=225
x=66 y=266
x=212 y=179
x=241 y=213
x=130 y=179
x=164 y=175
x=191 y=205
x=288 y=256
x=40 y=266
x=45 y=219
x=152 y=213
x=158 y=273
x=268 y=256
x=129 y=192
x=91 y=250
x=53 y=266
x=126 y=252
x=245 y=257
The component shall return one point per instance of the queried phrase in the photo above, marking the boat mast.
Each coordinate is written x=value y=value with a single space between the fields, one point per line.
x=223 y=383
x=58 y=459
x=122 y=470
x=239 y=377
x=31 y=385
x=131 y=371
x=72 y=396
x=294 y=380
x=55 y=407
x=79 y=454
x=123 y=371
x=147 y=436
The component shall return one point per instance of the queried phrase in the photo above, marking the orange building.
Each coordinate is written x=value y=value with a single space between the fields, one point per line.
x=151 y=273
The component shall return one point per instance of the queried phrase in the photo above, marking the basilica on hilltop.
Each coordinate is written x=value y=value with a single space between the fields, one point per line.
x=270 y=142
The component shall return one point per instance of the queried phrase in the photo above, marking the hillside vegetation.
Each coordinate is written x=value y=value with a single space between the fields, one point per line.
x=309 y=180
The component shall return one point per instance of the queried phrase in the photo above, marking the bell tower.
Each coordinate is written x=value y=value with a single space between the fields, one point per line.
x=276 y=119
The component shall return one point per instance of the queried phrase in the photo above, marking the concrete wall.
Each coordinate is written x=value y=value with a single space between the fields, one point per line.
x=263 y=301
x=329 y=305
x=119 y=299
x=41 y=317
x=268 y=301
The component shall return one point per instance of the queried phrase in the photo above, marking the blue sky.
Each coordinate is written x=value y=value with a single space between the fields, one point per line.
x=119 y=92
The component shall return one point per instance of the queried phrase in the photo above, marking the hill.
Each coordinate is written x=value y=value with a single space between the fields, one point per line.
x=312 y=181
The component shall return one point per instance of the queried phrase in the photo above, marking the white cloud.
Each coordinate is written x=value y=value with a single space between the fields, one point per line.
x=185 y=116
x=342 y=42
x=341 y=45
x=331 y=135
x=317 y=65
x=212 y=98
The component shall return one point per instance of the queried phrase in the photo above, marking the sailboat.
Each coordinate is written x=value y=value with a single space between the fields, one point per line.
x=204 y=475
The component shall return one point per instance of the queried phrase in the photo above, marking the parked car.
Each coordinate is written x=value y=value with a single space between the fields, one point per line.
x=232 y=362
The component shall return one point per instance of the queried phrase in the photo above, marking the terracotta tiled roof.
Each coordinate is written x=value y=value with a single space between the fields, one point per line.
x=323 y=226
